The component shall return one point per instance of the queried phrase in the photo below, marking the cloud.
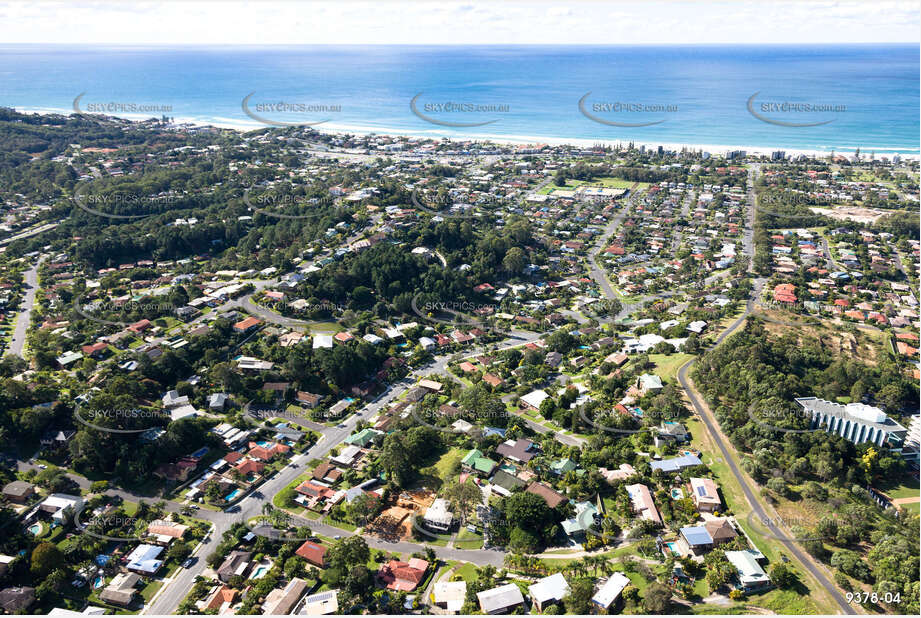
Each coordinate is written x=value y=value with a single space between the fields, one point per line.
x=459 y=22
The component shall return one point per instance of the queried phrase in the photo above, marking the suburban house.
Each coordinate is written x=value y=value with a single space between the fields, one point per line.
x=676 y=463
x=144 y=559
x=164 y=532
x=749 y=573
x=500 y=600
x=18 y=492
x=670 y=431
x=611 y=590
x=721 y=530
x=320 y=604
x=450 y=596
x=403 y=576
x=235 y=564
x=281 y=601
x=520 y=451
x=475 y=461
x=648 y=383
x=439 y=516
x=643 y=504
x=552 y=497
x=121 y=589
x=697 y=538
x=549 y=590
x=533 y=399
x=313 y=553
x=59 y=506
x=705 y=494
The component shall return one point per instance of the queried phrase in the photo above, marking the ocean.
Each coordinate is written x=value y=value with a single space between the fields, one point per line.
x=794 y=98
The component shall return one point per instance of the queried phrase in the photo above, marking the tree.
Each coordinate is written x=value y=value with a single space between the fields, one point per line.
x=782 y=575
x=514 y=260
x=850 y=563
x=348 y=552
x=363 y=508
x=46 y=558
x=530 y=514
x=579 y=599
x=462 y=497
x=658 y=599
x=395 y=460
x=179 y=551
x=295 y=566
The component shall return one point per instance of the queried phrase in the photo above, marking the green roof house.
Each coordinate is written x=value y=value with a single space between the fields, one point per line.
x=364 y=437
x=563 y=466
x=475 y=461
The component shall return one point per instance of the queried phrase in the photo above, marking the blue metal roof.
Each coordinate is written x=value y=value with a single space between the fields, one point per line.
x=696 y=535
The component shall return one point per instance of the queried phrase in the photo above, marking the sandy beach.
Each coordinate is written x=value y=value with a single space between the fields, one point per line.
x=520 y=140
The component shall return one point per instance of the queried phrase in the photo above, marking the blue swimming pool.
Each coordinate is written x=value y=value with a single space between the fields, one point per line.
x=673 y=547
x=229 y=497
x=677 y=494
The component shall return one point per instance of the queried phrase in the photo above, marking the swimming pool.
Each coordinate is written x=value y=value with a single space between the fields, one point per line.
x=229 y=497
x=35 y=529
x=259 y=572
x=98 y=582
x=677 y=494
x=264 y=443
x=673 y=547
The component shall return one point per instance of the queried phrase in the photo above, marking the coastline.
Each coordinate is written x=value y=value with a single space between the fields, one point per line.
x=520 y=140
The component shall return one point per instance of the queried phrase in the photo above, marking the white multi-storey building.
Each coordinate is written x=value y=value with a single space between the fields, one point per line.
x=856 y=422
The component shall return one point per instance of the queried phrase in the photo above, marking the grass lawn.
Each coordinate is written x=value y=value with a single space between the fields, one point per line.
x=667 y=365
x=467 y=571
x=150 y=590
x=446 y=464
x=130 y=508
x=468 y=540
x=901 y=490
x=785 y=602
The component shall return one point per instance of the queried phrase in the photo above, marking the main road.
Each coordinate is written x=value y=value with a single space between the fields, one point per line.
x=17 y=343
x=702 y=411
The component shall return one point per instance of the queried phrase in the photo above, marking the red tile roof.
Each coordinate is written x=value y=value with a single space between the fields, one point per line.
x=312 y=553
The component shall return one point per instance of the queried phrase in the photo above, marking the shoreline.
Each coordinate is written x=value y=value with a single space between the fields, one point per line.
x=521 y=140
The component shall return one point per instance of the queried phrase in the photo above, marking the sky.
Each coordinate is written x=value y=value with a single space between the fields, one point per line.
x=573 y=22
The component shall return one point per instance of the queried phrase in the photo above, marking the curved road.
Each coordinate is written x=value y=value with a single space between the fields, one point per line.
x=714 y=430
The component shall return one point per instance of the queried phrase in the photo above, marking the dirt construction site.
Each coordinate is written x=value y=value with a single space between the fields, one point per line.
x=395 y=522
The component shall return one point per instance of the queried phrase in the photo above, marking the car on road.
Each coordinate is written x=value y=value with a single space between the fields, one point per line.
x=189 y=562
x=341 y=425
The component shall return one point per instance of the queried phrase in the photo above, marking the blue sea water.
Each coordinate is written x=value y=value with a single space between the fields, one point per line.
x=695 y=95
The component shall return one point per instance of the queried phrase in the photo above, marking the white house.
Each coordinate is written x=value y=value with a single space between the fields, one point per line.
x=548 y=590
x=611 y=590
